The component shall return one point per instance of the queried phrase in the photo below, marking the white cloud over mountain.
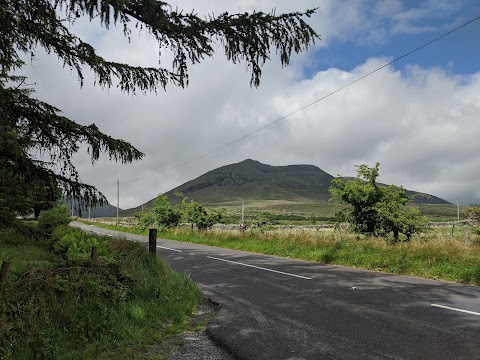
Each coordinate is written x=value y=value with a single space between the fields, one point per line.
x=421 y=124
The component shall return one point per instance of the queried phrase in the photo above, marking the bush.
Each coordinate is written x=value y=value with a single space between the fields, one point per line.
x=162 y=214
x=104 y=310
x=74 y=244
x=53 y=218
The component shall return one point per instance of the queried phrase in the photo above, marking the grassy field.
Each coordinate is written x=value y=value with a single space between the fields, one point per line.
x=449 y=253
x=59 y=307
x=320 y=212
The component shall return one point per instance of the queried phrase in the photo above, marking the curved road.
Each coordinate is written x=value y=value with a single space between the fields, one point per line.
x=277 y=308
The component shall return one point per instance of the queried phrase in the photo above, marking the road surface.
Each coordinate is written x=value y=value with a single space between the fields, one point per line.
x=276 y=308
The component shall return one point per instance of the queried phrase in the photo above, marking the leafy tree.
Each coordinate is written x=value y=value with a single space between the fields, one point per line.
x=197 y=214
x=162 y=214
x=474 y=213
x=374 y=209
x=396 y=217
x=362 y=195
x=474 y=217
x=29 y=126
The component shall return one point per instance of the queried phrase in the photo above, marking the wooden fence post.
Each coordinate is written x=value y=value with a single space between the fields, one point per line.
x=94 y=255
x=4 y=274
x=152 y=241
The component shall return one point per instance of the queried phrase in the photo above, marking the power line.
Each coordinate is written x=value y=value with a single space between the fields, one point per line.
x=306 y=106
x=111 y=187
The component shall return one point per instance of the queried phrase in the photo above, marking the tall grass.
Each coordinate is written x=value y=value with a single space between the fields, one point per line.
x=113 y=308
x=430 y=256
x=439 y=254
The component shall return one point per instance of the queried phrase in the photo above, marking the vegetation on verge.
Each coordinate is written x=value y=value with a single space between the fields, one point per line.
x=442 y=253
x=59 y=303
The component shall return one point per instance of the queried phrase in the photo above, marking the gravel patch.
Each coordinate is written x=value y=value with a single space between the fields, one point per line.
x=193 y=344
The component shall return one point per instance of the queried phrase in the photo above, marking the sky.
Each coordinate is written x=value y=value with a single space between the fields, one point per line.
x=419 y=117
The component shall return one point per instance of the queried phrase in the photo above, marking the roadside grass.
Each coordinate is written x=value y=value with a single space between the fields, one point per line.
x=438 y=254
x=113 y=308
x=24 y=252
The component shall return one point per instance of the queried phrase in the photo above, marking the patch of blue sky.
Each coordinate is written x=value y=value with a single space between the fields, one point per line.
x=457 y=53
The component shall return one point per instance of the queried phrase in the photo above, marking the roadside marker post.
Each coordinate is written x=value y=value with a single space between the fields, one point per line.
x=4 y=274
x=152 y=241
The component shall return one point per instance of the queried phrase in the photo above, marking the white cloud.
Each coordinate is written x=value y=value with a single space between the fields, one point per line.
x=421 y=125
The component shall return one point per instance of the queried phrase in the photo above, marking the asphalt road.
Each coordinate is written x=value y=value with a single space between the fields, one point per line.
x=276 y=308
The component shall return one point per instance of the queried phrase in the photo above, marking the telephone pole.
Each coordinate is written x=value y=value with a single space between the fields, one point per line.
x=118 y=197
x=243 y=213
x=458 y=212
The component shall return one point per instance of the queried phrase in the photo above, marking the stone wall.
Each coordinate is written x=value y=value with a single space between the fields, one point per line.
x=132 y=221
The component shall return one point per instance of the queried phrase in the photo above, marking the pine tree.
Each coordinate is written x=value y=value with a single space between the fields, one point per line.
x=27 y=124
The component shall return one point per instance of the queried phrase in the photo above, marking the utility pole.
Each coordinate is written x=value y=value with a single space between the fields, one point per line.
x=243 y=213
x=118 y=197
x=458 y=212
x=89 y=212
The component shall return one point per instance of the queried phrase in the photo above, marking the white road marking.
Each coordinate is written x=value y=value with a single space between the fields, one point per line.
x=164 y=247
x=455 y=309
x=261 y=268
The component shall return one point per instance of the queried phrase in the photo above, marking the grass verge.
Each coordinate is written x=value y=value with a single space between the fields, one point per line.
x=113 y=308
x=438 y=254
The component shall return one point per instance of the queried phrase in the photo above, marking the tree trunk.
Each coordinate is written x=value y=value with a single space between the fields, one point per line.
x=36 y=211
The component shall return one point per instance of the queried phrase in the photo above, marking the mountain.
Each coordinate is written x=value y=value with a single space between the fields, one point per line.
x=99 y=211
x=252 y=180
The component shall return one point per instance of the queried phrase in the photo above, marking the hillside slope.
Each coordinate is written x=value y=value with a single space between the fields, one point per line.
x=252 y=180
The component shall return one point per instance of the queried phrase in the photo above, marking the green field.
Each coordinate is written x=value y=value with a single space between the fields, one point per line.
x=320 y=211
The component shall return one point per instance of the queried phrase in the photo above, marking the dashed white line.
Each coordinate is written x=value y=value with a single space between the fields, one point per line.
x=455 y=309
x=260 y=268
x=164 y=247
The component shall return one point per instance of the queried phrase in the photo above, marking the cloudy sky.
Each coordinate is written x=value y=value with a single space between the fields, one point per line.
x=420 y=117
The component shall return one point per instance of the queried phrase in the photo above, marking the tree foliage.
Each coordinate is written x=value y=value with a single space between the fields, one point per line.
x=474 y=213
x=362 y=195
x=474 y=217
x=37 y=142
x=53 y=218
x=197 y=214
x=373 y=209
x=162 y=214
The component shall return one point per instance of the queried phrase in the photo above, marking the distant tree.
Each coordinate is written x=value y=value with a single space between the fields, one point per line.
x=362 y=196
x=266 y=218
x=373 y=209
x=197 y=214
x=474 y=213
x=31 y=128
x=396 y=217
x=474 y=217
x=162 y=214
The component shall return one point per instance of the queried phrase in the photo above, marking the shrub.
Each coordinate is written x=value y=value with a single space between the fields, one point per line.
x=53 y=218
x=74 y=244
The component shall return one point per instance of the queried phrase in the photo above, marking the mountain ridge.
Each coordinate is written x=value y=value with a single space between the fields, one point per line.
x=253 y=180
